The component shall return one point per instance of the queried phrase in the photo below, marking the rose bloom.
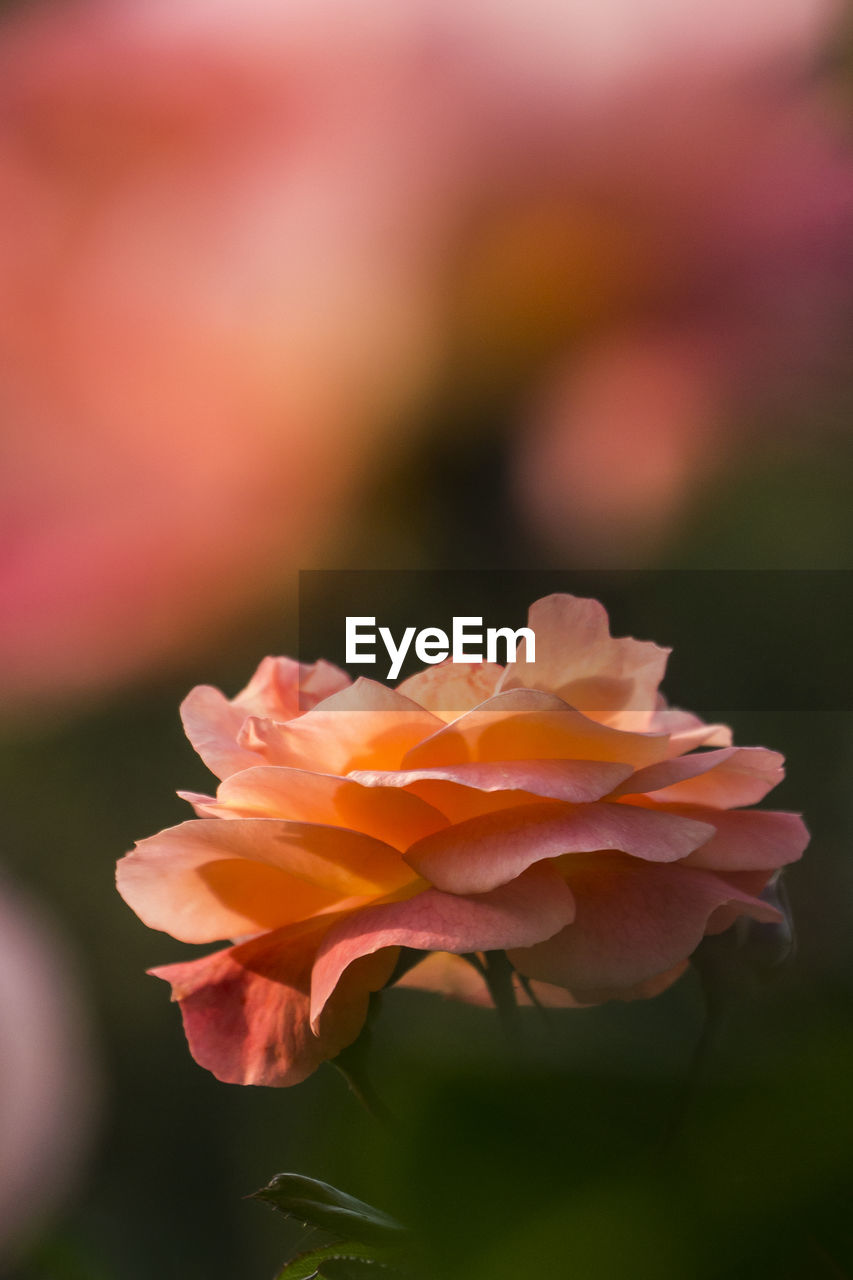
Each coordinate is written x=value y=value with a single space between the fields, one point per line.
x=556 y=811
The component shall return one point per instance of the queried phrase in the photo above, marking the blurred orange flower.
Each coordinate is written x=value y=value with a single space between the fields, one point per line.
x=556 y=811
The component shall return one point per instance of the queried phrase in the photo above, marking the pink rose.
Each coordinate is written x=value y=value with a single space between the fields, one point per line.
x=555 y=811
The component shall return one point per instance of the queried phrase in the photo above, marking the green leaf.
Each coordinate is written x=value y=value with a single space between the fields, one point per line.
x=309 y=1265
x=317 y=1204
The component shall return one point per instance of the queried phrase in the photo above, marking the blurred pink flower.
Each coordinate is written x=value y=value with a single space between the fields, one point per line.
x=732 y=203
x=555 y=810
x=657 y=256
x=658 y=253
x=47 y=1081
x=243 y=241
x=213 y=284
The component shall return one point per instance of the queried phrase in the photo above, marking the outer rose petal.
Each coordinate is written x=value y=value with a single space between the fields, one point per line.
x=747 y=839
x=649 y=987
x=366 y=726
x=272 y=791
x=687 y=731
x=245 y=1010
x=634 y=921
x=448 y=975
x=729 y=778
x=280 y=689
x=212 y=724
x=536 y=905
x=525 y=724
x=752 y=882
x=558 y=997
x=451 y=975
x=205 y=879
x=576 y=781
x=451 y=688
x=478 y=855
x=578 y=659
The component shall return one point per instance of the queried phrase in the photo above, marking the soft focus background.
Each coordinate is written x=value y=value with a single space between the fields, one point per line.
x=561 y=291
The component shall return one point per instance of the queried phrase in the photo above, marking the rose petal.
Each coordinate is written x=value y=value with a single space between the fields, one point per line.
x=365 y=726
x=558 y=997
x=245 y=1010
x=635 y=921
x=575 y=781
x=279 y=690
x=451 y=803
x=534 y=906
x=747 y=839
x=396 y=817
x=478 y=855
x=752 y=882
x=212 y=724
x=205 y=879
x=282 y=688
x=687 y=731
x=453 y=976
x=205 y=806
x=459 y=803
x=645 y=990
x=447 y=975
x=726 y=779
x=578 y=659
x=524 y=724
x=451 y=688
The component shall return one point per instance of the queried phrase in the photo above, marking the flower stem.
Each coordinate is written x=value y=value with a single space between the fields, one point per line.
x=363 y=1091
x=351 y=1063
x=498 y=973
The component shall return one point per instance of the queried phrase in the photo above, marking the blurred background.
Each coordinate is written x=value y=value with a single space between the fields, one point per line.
x=561 y=291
